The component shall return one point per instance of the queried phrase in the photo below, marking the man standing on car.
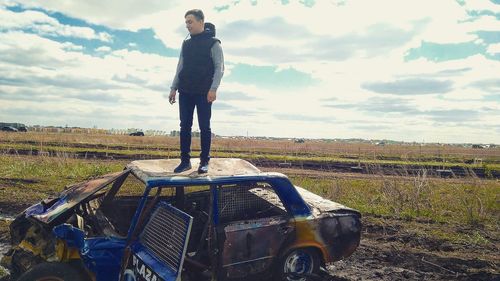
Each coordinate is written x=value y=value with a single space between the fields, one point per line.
x=198 y=75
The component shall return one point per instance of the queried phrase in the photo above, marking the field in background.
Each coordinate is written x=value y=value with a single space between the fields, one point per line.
x=439 y=228
x=319 y=151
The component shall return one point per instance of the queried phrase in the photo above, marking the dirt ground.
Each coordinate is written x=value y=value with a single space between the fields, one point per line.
x=389 y=250
x=391 y=253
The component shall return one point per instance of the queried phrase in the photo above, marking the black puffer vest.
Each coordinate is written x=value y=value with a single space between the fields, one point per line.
x=198 y=68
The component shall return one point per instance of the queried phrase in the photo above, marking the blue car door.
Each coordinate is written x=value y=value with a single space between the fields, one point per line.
x=158 y=254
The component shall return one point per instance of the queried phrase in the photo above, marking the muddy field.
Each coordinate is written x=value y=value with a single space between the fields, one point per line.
x=389 y=250
x=336 y=157
x=392 y=253
x=397 y=244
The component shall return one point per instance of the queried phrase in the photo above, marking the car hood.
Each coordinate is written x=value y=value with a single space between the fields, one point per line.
x=46 y=211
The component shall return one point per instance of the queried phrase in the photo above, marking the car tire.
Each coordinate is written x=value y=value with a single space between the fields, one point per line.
x=305 y=262
x=53 y=271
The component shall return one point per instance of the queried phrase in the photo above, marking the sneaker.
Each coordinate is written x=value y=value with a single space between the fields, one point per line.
x=183 y=166
x=203 y=167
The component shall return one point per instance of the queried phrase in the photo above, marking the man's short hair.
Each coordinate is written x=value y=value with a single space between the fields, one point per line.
x=197 y=13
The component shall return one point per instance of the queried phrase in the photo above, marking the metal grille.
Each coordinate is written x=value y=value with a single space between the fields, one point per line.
x=165 y=235
x=239 y=200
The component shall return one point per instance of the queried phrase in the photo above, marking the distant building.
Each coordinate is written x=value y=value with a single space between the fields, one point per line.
x=71 y=130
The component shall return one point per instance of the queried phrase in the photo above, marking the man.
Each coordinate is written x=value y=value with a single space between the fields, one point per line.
x=198 y=75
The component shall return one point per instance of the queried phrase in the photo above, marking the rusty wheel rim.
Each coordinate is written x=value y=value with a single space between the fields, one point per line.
x=299 y=262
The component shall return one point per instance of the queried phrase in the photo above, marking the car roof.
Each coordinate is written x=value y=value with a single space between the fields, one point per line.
x=160 y=172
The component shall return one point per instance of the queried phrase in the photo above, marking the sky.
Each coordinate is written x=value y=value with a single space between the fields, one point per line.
x=405 y=70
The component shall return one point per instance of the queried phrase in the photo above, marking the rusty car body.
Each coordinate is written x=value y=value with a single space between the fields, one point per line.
x=147 y=223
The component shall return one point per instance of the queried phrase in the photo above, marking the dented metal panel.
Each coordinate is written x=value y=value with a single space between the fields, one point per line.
x=250 y=247
x=336 y=236
x=102 y=255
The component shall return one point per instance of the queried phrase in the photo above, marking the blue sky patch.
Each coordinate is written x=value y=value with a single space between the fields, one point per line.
x=411 y=86
x=269 y=76
x=477 y=14
x=444 y=52
x=493 y=98
x=489 y=37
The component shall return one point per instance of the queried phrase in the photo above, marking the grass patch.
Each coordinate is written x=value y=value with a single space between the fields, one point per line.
x=69 y=151
x=467 y=201
x=25 y=180
x=433 y=235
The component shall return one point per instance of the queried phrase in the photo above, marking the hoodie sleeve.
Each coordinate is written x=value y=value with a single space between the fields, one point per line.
x=218 y=60
x=175 y=82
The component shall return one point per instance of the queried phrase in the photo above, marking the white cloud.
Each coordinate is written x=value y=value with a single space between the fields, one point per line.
x=494 y=49
x=71 y=47
x=115 y=14
x=103 y=49
x=482 y=5
x=31 y=66
x=341 y=47
x=43 y=24
x=105 y=37
x=425 y=20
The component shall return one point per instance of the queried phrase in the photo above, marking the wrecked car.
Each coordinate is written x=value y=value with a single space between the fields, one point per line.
x=147 y=223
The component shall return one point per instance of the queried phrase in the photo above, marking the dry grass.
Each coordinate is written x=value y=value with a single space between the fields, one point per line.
x=409 y=153
x=461 y=211
x=465 y=201
x=469 y=200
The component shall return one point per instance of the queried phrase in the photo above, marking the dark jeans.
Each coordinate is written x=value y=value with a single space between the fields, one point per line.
x=187 y=103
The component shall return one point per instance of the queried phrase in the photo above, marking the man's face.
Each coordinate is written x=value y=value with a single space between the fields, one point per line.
x=193 y=25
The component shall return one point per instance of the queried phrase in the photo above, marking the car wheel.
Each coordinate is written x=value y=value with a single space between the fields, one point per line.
x=298 y=264
x=53 y=271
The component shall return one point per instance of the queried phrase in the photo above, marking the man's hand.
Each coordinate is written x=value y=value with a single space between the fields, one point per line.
x=212 y=96
x=171 y=97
